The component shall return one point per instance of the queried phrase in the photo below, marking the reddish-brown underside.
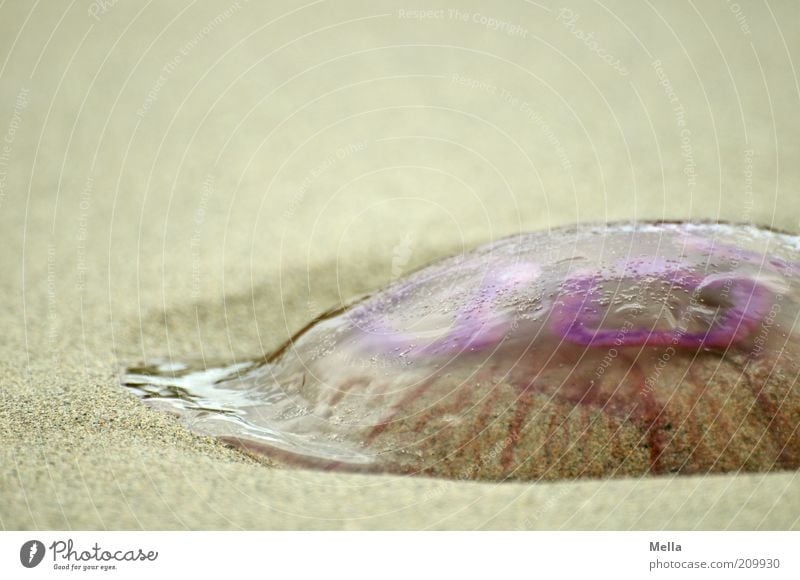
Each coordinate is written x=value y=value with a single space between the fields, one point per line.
x=703 y=412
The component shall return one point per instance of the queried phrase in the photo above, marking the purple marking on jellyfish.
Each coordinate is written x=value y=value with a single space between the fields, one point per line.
x=478 y=325
x=750 y=302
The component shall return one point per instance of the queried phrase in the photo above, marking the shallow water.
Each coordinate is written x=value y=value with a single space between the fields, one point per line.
x=600 y=351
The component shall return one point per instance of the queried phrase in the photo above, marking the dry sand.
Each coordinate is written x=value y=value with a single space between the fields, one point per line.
x=202 y=180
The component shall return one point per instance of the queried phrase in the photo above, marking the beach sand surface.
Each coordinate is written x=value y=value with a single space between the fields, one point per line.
x=184 y=180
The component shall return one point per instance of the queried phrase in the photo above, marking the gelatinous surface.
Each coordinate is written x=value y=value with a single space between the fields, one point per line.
x=598 y=351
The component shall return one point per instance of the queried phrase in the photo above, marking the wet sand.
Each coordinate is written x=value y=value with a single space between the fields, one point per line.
x=161 y=198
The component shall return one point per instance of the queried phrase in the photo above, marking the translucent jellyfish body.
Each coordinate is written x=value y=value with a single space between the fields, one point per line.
x=617 y=350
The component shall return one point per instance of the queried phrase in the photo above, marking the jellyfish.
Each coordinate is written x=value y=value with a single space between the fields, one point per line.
x=627 y=349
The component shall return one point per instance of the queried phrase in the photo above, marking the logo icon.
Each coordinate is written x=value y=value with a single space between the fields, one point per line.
x=31 y=553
